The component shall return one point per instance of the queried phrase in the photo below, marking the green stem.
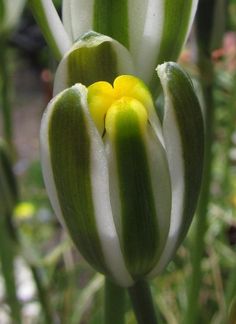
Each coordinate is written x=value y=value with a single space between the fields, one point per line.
x=198 y=245
x=205 y=27
x=5 y=93
x=230 y=289
x=143 y=305
x=114 y=303
x=230 y=129
x=7 y=266
x=42 y=295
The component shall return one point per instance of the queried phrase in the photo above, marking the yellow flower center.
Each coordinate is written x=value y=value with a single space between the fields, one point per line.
x=127 y=92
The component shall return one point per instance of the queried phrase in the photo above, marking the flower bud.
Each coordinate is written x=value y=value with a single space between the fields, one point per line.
x=124 y=186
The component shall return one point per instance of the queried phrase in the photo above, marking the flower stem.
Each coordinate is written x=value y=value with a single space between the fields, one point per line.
x=42 y=295
x=7 y=255
x=205 y=25
x=5 y=93
x=142 y=301
x=201 y=223
x=114 y=303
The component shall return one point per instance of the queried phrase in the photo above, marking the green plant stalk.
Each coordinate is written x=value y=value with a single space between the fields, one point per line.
x=7 y=266
x=230 y=290
x=38 y=276
x=42 y=295
x=207 y=20
x=142 y=302
x=5 y=92
x=197 y=250
x=9 y=240
x=226 y=185
x=114 y=311
x=12 y=241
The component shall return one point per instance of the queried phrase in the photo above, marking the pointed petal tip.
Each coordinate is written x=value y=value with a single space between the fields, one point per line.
x=164 y=68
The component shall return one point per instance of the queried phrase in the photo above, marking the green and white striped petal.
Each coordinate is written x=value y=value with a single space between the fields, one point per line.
x=183 y=132
x=153 y=29
x=94 y=57
x=53 y=30
x=139 y=185
x=76 y=176
x=77 y=17
x=8 y=186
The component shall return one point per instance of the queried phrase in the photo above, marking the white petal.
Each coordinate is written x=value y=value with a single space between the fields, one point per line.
x=57 y=29
x=145 y=37
x=77 y=17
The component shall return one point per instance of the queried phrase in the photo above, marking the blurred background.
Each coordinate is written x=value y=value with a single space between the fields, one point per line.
x=42 y=277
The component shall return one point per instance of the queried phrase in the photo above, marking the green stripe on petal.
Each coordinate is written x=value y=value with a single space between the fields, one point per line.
x=93 y=58
x=76 y=177
x=178 y=16
x=83 y=62
x=70 y=157
x=111 y=18
x=175 y=26
x=108 y=17
x=184 y=139
x=159 y=34
x=133 y=197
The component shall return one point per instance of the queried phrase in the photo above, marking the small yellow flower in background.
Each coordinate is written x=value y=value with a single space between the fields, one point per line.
x=24 y=210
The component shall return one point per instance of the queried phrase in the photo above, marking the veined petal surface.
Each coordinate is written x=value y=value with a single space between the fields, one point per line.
x=76 y=177
x=94 y=57
x=183 y=132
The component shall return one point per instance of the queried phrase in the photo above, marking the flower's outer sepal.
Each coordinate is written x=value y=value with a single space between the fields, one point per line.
x=183 y=132
x=76 y=177
x=8 y=185
x=94 y=57
x=154 y=31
